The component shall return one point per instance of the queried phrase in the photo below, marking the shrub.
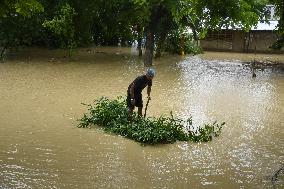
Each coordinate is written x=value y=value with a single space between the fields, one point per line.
x=173 y=44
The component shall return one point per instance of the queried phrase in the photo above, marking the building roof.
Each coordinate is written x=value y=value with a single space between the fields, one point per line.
x=266 y=26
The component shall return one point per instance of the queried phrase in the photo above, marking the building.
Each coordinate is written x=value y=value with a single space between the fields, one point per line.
x=258 y=39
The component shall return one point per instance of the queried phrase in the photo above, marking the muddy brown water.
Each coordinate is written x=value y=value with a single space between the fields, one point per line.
x=41 y=147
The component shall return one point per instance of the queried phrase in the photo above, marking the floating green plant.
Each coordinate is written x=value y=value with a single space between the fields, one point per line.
x=111 y=115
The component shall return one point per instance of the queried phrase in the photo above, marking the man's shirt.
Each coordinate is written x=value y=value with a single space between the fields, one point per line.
x=140 y=83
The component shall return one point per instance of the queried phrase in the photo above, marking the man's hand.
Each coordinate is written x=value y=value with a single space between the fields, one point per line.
x=132 y=101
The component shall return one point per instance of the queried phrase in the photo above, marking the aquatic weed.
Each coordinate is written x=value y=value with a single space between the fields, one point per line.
x=111 y=115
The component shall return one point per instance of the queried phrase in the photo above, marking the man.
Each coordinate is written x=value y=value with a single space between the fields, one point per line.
x=134 y=92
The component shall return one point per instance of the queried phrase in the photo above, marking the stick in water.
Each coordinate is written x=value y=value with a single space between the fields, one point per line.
x=146 y=107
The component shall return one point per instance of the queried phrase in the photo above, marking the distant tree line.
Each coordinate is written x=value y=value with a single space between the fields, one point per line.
x=163 y=23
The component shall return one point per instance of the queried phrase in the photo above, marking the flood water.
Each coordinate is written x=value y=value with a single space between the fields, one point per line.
x=41 y=147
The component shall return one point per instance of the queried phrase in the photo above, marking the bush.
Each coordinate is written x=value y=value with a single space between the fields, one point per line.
x=278 y=44
x=173 y=44
x=111 y=115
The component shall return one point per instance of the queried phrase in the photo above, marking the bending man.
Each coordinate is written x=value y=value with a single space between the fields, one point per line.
x=134 y=92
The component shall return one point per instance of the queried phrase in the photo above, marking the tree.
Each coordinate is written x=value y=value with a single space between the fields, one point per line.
x=111 y=22
x=157 y=13
x=63 y=26
x=199 y=15
x=25 y=8
x=15 y=22
x=279 y=4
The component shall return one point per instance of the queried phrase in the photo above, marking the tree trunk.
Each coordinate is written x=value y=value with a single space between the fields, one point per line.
x=159 y=49
x=139 y=47
x=160 y=43
x=2 y=53
x=150 y=31
x=149 y=48
x=281 y=21
x=182 y=44
x=195 y=37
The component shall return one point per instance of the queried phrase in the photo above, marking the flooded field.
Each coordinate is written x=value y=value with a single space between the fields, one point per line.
x=40 y=100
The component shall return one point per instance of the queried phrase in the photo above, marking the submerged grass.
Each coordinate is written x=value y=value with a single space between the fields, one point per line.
x=111 y=115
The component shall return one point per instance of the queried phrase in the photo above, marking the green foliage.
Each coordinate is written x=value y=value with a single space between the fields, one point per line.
x=17 y=20
x=17 y=30
x=24 y=8
x=279 y=4
x=173 y=43
x=69 y=23
x=278 y=44
x=203 y=14
x=63 y=26
x=84 y=21
x=115 y=22
x=111 y=115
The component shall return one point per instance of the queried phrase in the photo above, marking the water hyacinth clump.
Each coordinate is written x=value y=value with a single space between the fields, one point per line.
x=111 y=115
